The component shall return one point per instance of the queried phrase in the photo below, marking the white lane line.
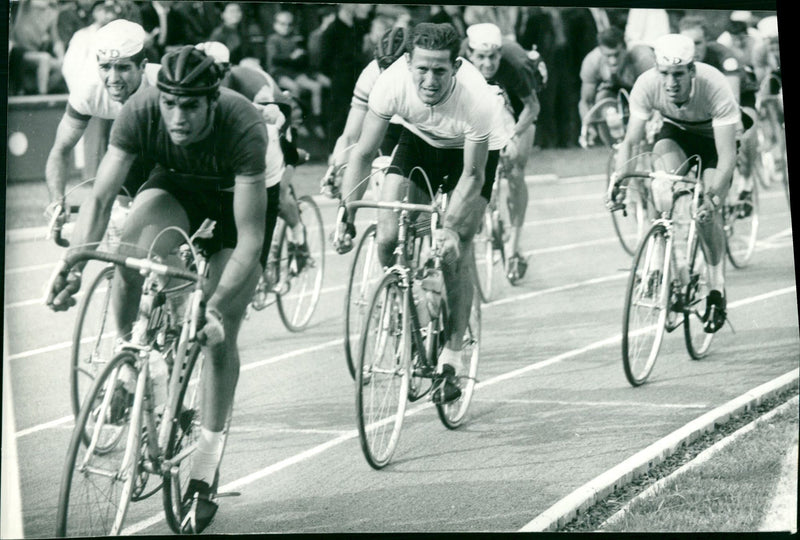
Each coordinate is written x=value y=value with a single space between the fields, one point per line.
x=267 y=429
x=47 y=425
x=31 y=268
x=597 y=403
x=352 y=434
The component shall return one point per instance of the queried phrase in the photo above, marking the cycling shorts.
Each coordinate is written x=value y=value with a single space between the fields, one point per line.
x=216 y=205
x=691 y=144
x=442 y=165
x=391 y=138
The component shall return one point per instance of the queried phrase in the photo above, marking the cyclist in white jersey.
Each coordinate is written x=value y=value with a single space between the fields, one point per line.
x=122 y=70
x=701 y=116
x=454 y=131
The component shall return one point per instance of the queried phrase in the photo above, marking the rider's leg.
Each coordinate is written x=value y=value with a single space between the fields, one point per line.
x=393 y=188
x=152 y=211
x=518 y=190
x=671 y=158
x=712 y=238
x=289 y=210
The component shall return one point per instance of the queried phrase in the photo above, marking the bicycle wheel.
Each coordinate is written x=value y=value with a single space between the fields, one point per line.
x=453 y=414
x=488 y=250
x=304 y=272
x=383 y=371
x=365 y=273
x=92 y=338
x=741 y=224
x=646 y=304
x=630 y=224
x=96 y=485
x=697 y=340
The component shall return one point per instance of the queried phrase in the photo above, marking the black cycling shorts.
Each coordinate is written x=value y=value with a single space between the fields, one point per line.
x=691 y=144
x=391 y=138
x=442 y=165
x=216 y=205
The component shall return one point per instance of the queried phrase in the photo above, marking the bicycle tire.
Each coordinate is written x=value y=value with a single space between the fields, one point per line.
x=379 y=428
x=741 y=226
x=697 y=342
x=483 y=257
x=73 y=517
x=296 y=306
x=358 y=292
x=89 y=354
x=454 y=413
x=629 y=228
x=655 y=288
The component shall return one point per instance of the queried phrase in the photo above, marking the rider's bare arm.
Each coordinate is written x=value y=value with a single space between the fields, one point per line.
x=96 y=209
x=462 y=207
x=588 y=93
x=528 y=114
x=633 y=136
x=249 y=213
x=69 y=131
x=358 y=165
x=350 y=134
x=718 y=180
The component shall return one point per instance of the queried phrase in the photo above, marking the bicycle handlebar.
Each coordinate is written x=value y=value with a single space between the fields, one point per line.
x=662 y=175
x=410 y=207
x=145 y=265
x=55 y=229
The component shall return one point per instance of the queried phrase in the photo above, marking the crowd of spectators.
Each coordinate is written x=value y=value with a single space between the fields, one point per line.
x=317 y=51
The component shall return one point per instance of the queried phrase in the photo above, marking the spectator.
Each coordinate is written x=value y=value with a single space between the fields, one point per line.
x=449 y=14
x=740 y=32
x=35 y=51
x=287 y=62
x=199 y=19
x=342 y=62
x=504 y=17
x=72 y=16
x=167 y=26
x=232 y=33
x=644 y=26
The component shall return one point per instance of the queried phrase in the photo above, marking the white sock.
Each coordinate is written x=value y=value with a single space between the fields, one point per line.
x=716 y=276
x=298 y=233
x=207 y=455
x=449 y=356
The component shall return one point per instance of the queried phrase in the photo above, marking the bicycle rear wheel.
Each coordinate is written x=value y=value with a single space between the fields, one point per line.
x=741 y=224
x=304 y=273
x=383 y=371
x=697 y=340
x=484 y=258
x=92 y=338
x=365 y=273
x=98 y=478
x=631 y=225
x=646 y=304
x=453 y=414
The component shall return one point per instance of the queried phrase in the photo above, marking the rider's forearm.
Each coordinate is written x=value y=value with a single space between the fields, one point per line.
x=55 y=172
x=527 y=117
x=357 y=169
x=462 y=207
x=719 y=179
x=91 y=224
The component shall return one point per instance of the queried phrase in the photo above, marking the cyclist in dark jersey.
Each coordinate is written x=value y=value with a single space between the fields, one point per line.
x=209 y=146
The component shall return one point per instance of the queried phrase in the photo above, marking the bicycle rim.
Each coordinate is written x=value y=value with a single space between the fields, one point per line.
x=365 y=273
x=741 y=226
x=631 y=226
x=453 y=414
x=92 y=338
x=382 y=377
x=96 y=486
x=697 y=340
x=646 y=300
x=483 y=258
x=297 y=305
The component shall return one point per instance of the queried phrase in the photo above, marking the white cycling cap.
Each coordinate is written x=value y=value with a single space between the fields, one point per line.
x=674 y=50
x=741 y=16
x=484 y=36
x=768 y=27
x=119 y=39
x=216 y=50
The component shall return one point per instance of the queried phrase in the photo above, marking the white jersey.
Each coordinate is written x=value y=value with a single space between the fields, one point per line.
x=473 y=111
x=90 y=96
x=711 y=101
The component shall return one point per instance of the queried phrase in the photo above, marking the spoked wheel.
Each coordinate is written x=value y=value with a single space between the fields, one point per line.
x=92 y=338
x=365 y=273
x=646 y=304
x=383 y=371
x=489 y=249
x=453 y=414
x=184 y=432
x=99 y=478
x=630 y=224
x=741 y=223
x=697 y=340
x=303 y=272
x=772 y=145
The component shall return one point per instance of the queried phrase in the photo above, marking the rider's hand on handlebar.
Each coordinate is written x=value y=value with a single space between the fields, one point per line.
x=57 y=212
x=448 y=242
x=705 y=211
x=61 y=287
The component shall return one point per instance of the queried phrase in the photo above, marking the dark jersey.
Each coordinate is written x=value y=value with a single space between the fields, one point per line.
x=236 y=144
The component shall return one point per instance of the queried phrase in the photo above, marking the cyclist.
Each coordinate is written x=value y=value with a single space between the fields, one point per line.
x=700 y=116
x=609 y=67
x=209 y=146
x=454 y=131
x=506 y=64
x=766 y=55
x=387 y=50
x=122 y=71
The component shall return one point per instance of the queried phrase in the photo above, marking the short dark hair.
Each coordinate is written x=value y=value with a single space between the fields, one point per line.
x=435 y=37
x=693 y=21
x=612 y=37
x=737 y=27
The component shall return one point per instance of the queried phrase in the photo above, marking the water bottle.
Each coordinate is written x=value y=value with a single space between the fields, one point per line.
x=432 y=284
x=159 y=375
x=614 y=123
x=421 y=303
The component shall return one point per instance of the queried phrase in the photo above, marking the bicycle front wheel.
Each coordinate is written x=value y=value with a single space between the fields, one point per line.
x=453 y=414
x=100 y=476
x=383 y=371
x=646 y=304
x=630 y=226
x=741 y=225
x=484 y=258
x=304 y=271
x=697 y=340
x=365 y=273
x=92 y=338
